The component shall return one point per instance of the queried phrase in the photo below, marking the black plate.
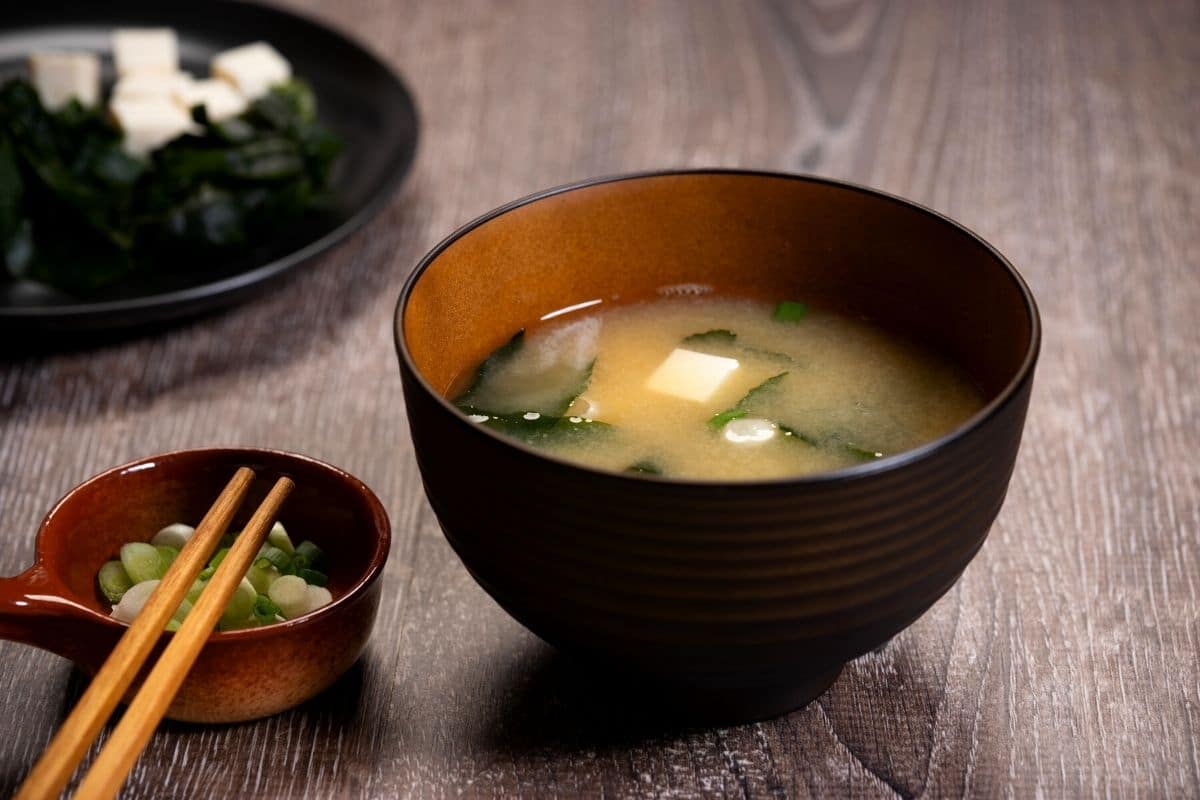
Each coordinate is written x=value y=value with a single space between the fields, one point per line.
x=358 y=97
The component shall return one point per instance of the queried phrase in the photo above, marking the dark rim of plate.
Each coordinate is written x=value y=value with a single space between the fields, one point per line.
x=888 y=463
x=396 y=172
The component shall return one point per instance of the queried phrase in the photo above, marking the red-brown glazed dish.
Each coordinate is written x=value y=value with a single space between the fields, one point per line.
x=743 y=599
x=55 y=604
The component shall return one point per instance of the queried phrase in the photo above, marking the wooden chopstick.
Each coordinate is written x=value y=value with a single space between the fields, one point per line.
x=122 y=749
x=52 y=771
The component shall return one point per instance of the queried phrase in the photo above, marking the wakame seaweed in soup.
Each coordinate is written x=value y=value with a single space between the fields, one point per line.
x=717 y=388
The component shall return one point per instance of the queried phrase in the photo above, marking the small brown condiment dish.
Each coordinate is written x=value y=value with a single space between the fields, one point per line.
x=741 y=599
x=56 y=605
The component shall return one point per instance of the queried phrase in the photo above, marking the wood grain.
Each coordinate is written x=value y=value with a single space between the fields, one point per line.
x=1064 y=663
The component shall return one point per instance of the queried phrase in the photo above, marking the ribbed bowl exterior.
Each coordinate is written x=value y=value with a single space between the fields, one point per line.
x=734 y=585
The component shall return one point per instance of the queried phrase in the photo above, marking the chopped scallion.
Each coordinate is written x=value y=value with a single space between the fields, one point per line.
x=290 y=593
x=723 y=418
x=141 y=561
x=114 y=581
x=218 y=557
x=278 y=537
x=166 y=557
x=194 y=593
x=278 y=586
x=277 y=558
x=175 y=535
x=262 y=576
x=185 y=608
x=318 y=596
x=265 y=609
x=789 y=311
x=309 y=551
x=241 y=604
x=314 y=577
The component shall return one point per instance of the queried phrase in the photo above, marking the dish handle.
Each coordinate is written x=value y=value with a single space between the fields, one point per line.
x=33 y=612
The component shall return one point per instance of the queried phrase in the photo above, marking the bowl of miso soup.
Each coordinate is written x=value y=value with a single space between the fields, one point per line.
x=717 y=432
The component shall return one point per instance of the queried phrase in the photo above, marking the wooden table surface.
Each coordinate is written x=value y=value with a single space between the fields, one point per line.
x=1064 y=662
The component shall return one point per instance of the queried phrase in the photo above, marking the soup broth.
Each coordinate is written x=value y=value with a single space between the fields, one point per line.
x=717 y=388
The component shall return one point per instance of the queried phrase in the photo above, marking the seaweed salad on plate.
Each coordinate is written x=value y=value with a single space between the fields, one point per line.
x=171 y=173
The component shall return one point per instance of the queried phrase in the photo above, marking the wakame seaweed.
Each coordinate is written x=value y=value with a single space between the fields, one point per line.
x=79 y=213
x=724 y=342
x=582 y=381
x=498 y=358
x=723 y=418
x=714 y=336
x=537 y=429
x=530 y=426
x=835 y=440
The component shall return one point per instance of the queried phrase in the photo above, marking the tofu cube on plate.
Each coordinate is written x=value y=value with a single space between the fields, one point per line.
x=60 y=77
x=151 y=84
x=252 y=69
x=219 y=99
x=145 y=50
x=691 y=375
x=149 y=122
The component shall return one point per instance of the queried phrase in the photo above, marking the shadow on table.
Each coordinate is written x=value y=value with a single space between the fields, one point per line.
x=560 y=703
x=338 y=705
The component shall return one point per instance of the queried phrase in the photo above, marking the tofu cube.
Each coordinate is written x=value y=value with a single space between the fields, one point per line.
x=145 y=50
x=149 y=122
x=61 y=76
x=221 y=100
x=151 y=84
x=691 y=375
x=252 y=69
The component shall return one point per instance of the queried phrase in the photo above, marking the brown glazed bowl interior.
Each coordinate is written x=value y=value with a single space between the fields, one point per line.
x=746 y=597
x=56 y=604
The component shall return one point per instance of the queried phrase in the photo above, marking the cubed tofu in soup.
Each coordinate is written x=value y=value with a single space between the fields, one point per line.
x=219 y=99
x=149 y=122
x=252 y=68
x=60 y=77
x=151 y=84
x=690 y=375
x=145 y=50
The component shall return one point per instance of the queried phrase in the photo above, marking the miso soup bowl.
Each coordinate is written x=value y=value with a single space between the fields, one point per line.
x=239 y=675
x=738 y=599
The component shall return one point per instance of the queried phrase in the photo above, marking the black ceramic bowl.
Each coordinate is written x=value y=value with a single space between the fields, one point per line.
x=743 y=598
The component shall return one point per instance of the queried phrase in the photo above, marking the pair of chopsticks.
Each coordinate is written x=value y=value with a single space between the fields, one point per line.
x=66 y=750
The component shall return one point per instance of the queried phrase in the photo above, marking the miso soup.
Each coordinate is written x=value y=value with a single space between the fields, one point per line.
x=716 y=388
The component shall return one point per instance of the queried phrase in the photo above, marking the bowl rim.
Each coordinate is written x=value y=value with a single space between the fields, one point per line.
x=378 y=514
x=857 y=471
